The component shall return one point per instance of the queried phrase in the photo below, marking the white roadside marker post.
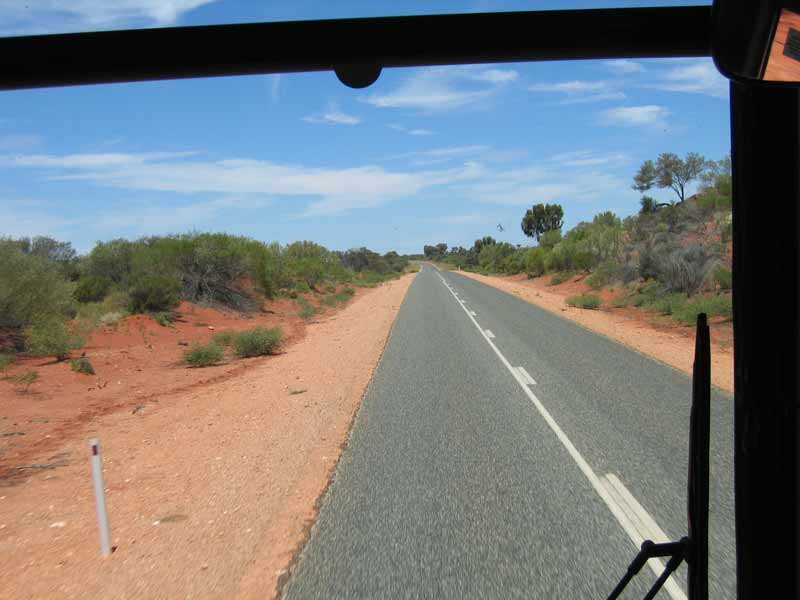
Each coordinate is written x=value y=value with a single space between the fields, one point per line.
x=100 y=497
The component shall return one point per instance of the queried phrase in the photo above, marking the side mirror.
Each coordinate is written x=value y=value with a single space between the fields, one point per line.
x=757 y=40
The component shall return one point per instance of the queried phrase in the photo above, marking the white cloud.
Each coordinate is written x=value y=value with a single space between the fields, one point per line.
x=333 y=116
x=19 y=142
x=443 y=88
x=403 y=129
x=330 y=190
x=440 y=155
x=623 y=66
x=496 y=75
x=589 y=158
x=648 y=115
x=274 y=87
x=90 y=161
x=74 y=15
x=576 y=92
x=696 y=77
x=529 y=185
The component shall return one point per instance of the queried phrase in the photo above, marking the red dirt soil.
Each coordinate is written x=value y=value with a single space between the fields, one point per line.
x=212 y=488
x=137 y=362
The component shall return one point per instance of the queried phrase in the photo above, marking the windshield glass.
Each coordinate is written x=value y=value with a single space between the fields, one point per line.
x=432 y=338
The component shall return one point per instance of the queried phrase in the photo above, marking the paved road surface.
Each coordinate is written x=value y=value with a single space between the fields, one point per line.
x=463 y=478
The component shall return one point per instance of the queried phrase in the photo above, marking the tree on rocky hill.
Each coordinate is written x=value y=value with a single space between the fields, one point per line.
x=670 y=171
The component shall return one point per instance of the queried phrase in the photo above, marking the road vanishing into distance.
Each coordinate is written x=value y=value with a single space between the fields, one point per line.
x=504 y=452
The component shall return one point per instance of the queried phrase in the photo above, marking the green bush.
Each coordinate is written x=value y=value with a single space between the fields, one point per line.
x=329 y=288
x=339 y=298
x=204 y=355
x=589 y=301
x=50 y=336
x=82 y=365
x=666 y=304
x=30 y=286
x=719 y=305
x=302 y=287
x=306 y=309
x=164 y=318
x=92 y=289
x=605 y=273
x=154 y=293
x=536 y=260
x=257 y=342
x=5 y=361
x=723 y=278
x=561 y=277
x=225 y=338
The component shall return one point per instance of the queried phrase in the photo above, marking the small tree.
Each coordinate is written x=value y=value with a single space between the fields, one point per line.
x=541 y=218
x=669 y=171
x=648 y=205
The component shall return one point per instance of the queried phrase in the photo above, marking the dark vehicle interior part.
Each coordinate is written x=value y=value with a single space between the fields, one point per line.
x=757 y=40
x=765 y=144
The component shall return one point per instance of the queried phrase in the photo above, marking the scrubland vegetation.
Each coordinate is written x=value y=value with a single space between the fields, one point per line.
x=51 y=298
x=671 y=257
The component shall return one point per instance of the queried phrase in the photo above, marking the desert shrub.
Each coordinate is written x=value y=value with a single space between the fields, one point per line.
x=723 y=278
x=29 y=286
x=111 y=318
x=164 y=318
x=82 y=365
x=204 y=355
x=589 y=301
x=49 y=336
x=225 y=338
x=154 y=293
x=535 y=264
x=257 y=342
x=26 y=379
x=112 y=260
x=558 y=278
x=306 y=309
x=605 y=273
x=340 y=297
x=302 y=287
x=329 y=288
x=666 y=304
x=718 y=305
x=5 y=361
x=370 y=279
x=645 y=293
x=92 y=289
x=685 y=269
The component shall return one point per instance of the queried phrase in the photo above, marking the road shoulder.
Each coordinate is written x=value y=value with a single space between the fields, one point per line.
x=209 y=495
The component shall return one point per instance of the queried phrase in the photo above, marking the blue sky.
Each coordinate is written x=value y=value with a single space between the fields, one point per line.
x=422 y=156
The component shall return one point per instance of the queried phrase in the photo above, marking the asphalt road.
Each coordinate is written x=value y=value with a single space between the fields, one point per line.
x=463 y=478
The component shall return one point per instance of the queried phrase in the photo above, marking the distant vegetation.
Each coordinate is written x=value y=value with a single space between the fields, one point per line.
x=672 y=257
x=51 y=297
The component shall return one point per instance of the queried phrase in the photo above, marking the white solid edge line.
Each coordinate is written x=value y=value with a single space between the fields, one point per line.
x=654 y=532
x=672 y=588
x=526 y=376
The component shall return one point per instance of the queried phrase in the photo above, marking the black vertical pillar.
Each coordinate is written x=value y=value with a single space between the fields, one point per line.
x=766 y=264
